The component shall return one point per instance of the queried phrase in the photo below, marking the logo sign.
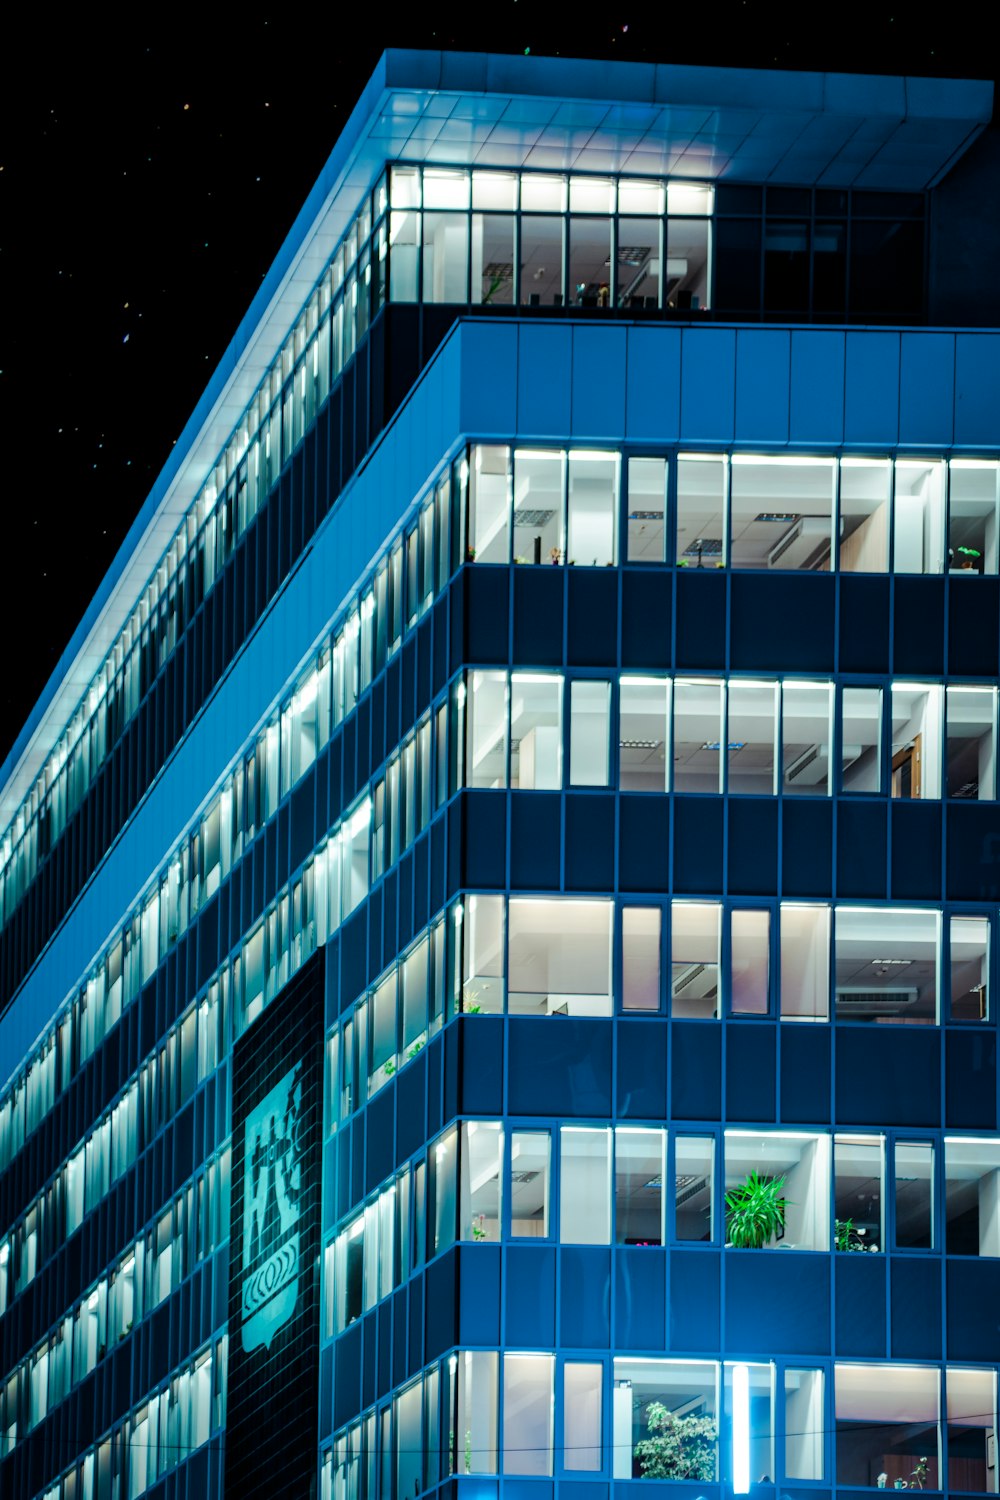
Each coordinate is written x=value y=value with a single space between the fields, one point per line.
x=272 y=1194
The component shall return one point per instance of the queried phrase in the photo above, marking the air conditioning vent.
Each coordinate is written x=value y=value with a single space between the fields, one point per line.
x=860 y=1001
x=809 y=768
x=695 y=982
x=805 y=546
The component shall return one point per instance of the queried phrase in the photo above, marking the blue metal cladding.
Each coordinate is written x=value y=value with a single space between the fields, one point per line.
x=864 y=388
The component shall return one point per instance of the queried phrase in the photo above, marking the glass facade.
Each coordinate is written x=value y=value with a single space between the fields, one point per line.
x=561 y=1044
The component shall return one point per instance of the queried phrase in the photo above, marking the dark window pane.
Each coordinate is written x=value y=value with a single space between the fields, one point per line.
x=829 y=267
x=787 y=200
x=786 y=267
x=737 y=200
x=830 y=201
x=887 y=269
x=737 y=276
x=887 y=205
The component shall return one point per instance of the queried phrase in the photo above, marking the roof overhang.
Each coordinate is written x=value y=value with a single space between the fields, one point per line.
x=707 y=124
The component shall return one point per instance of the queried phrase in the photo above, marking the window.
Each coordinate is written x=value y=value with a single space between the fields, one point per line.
x=582 y=1401
x=972 y=1196
x=970 y=965
x=641 y=958
x=476 y=1436
x=805 y=962
x=974 y=490
x=970 y=770
x=887 y=1424
x=752 y=735
x=859 y=1192
x=589 y=262
x=646 y=527
x=800 y=1166
x=864 y=515
x=530 y=1174
x=665 y=1419
x=806 y=710
x=489 y=505
x=539 y=482
x=483 y=974
x=694 y=1192
x=971 y=1415
x=639 y=263
x=918 y=516
x=492 y=259
x=640 y=1169
x=886 y=965
x=541 y=250
x=482 y=1164
x=592 y=539
x=694 y=958
x=589 y=732
x=748 y=1402
x=585 y=1186
x=861 y=739
x=441 y=1194
x=687 y=272
x=805 y=1424
x=382 y=1010
x=404 y=238
x=350 y=1273
x=560 y=956
x=415 y=979
x=916 y=740
x=749 y=961
x=408 y=1413
x=701 y=509
x=915 y=1213
x=535 y=731
x=446 y=257
x=527 y=1413
x=782 y=512
x=697 y=738
x=486 y=731
x=354 y=865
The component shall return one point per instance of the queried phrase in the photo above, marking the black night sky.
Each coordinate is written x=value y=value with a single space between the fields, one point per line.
x=148 y=174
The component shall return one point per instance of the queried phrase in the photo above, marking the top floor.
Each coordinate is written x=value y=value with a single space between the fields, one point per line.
x=586 y=166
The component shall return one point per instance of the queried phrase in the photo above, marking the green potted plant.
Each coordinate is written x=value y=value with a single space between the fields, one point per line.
x=755 y=1212
x=847 y=1236
x=677 y=1447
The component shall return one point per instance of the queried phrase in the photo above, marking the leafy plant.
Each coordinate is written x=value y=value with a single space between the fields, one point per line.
x=847 y=1237
x=479 y=1227
x=677 y=1447
x=755 y=1211
x=389 y=1068
x=918 y=1476
x=417 y=1046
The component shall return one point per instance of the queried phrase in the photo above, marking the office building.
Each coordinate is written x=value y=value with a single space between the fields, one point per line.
x=498 y=898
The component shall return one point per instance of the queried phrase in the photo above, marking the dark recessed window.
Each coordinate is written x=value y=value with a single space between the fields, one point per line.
x=788 y=200
x=786 y=266
x=737 y=200
x=737 y=260
x=887 y=269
